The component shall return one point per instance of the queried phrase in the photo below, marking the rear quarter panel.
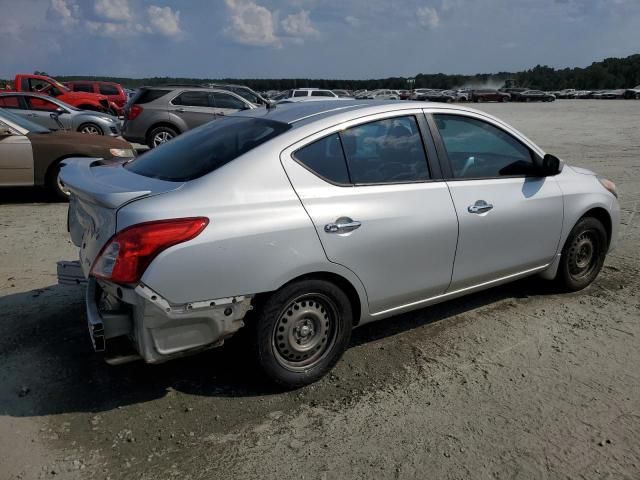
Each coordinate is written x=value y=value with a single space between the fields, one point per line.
x=259 y=236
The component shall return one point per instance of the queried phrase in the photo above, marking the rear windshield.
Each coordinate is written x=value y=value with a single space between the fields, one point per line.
x=206 y=148
x=146 y=96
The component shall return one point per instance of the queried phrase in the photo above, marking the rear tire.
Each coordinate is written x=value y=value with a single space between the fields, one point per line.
x=160 y=135
x=583 y=255
x=54 y=185
x=301 y=331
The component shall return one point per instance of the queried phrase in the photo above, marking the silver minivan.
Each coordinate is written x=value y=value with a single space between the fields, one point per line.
x=155 y=115
x=304 y=221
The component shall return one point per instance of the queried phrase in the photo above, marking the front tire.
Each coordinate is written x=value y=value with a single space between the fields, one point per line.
x=582 y=255
x=90 y=129
x=301 y=332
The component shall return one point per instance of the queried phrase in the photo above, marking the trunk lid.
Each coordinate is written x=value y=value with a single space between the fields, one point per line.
x=99 y=189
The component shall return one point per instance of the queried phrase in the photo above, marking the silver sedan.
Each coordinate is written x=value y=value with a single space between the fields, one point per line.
x=56 y=115
x=304 y=221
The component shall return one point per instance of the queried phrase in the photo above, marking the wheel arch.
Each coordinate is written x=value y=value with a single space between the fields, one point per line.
x=604 y=217
x=358 y=302
x=163 y=123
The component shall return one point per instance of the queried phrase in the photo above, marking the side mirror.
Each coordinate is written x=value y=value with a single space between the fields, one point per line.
x=60 y=110
x=5 y=132
x=551 y=165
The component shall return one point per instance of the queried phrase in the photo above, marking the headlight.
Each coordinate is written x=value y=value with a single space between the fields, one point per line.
x=609 y=185
x=122 y=152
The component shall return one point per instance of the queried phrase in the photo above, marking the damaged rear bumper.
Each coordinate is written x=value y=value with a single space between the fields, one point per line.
x=156 y=330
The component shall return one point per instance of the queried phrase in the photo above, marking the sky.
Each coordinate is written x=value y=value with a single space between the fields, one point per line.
x=348 y=39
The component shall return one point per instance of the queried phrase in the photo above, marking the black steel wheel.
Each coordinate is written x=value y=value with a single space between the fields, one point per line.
x=583 y=254
x=301 y=331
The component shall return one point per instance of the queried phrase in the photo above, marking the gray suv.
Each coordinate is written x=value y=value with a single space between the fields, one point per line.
x=158 y=114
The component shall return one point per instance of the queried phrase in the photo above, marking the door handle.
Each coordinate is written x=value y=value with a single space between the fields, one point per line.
x=342 y=225
x=480 y=207
x=181 y=110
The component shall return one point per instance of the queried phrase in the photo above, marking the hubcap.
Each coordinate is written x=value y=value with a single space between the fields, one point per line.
x=90 y=130
x=306 y=330
x=583 y=256
x=161 y=137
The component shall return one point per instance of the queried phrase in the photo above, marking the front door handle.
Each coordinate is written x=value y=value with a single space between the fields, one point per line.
x=480 y=207
x=181 y=110
x=342 y=225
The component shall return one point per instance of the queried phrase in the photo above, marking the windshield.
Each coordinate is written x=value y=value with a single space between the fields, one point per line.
x=22 y=122
x=206 y=148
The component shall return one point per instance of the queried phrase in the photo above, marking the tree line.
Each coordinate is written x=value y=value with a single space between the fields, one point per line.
x=610 y=73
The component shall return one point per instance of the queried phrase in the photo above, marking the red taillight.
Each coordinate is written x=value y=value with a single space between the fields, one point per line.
x=134 y=111
x=128 y=254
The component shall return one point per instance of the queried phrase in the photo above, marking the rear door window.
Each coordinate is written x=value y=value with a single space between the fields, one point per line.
x=11 y=101
x=192 y=99
x=108 y=90
x=147 y=96
x=224 y=100
x=206 y=148
x=326 y=159
x=386 y=151
x=83 y=87
x=321 y=93
x=300 y=93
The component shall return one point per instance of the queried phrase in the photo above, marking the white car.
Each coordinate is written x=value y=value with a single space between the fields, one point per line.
x=383 y=95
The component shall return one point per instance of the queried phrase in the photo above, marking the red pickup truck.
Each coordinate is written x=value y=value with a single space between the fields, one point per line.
x=49 y=86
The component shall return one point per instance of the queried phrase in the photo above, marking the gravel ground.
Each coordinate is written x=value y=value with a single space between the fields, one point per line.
x=516 y=382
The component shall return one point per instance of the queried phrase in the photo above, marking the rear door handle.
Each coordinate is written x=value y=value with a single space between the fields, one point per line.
x=342 y=225
x=480 y=207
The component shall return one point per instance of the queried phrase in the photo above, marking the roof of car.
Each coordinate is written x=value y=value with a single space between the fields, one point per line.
x=297 y=114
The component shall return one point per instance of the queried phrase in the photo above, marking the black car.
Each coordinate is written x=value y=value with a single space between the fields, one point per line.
x=535 y=96
x=489 y=95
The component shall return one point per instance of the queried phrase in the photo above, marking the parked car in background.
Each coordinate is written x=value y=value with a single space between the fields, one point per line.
x=632 y=93
x=583 y=94
x=567 y=93
x=404 y=94
x=304 y=93
x=170 y=242
x=242 y=90
x=418 y=93
x=51 y=113
x=49 y=86
x=445 y=96
x=489 y=95
x=515 y=92
x=609 y=94
x=31 y=154
x=343 y=93
x=158 y=114
x=382 y=94
x=113 y=91
x=535 y=96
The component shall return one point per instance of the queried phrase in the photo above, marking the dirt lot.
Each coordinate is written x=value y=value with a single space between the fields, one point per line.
x=516 y=382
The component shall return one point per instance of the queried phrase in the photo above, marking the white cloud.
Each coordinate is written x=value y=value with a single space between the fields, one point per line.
x=109 y=29
x=117 y=10
x=66 y=10
x=298 y=25
x=164 y=21
x=353 y=21
x=252 y=24
x=428 y=17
